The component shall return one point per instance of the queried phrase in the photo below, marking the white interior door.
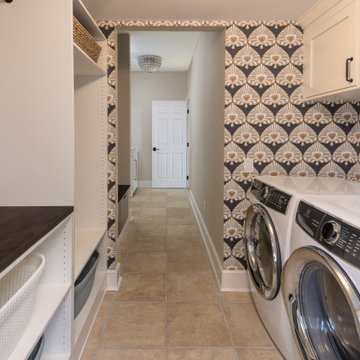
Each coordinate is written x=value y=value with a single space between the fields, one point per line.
x=169 y=144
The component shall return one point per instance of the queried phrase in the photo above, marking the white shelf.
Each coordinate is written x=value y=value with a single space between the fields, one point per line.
x=84 y=65
x=48 y=300
x=87 y=21
x=86 y=241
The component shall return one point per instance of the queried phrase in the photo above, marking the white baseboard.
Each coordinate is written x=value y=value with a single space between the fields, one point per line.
x=113 y=273
x=228 y=280
x=145 y=183
x=123 y=230
x=114 y=278
x=214 y=258
x=235 y=280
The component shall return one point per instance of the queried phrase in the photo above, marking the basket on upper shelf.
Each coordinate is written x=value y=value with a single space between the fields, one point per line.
x=85 y=41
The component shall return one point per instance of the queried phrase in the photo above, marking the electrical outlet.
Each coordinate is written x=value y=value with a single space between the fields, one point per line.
x=249 y=165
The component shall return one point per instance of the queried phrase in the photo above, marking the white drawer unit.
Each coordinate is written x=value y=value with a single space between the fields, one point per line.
x=331 y=50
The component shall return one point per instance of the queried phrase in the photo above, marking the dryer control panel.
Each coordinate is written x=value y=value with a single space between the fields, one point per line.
x=270 y=196
x=334 y=234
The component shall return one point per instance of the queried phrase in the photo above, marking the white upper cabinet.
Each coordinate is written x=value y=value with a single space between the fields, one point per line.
x=331 y=50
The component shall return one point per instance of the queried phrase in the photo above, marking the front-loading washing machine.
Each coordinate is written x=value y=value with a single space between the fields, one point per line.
x=266 y=228
x=267 y=245
x=321 y=279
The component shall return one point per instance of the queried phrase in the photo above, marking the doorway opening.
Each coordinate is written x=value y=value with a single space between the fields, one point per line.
x=201 y=86
x=187 y=66
x=160 y=132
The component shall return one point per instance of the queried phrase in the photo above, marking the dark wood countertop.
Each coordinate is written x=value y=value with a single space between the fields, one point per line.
x=22 y=226
x=122 y=189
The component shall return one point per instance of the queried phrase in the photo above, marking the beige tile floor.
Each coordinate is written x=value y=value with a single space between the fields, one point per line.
x=168 y=306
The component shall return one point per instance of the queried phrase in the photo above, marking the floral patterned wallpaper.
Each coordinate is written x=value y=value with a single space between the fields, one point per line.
x=265 y=118
x=267 y=121
x=110 y=34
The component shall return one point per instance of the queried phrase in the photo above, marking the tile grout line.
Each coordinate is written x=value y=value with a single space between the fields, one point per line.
x=112 y=301
x=165 y=297
x=224 y=317
x=171 y=302
x=104 y=328
x=148 y=347
x=217 y=291
x=166 y=346
x=215 y=286
x=166 y=283
x=171 y=272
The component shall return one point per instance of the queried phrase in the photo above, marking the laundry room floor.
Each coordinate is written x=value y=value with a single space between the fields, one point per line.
x=168 y=306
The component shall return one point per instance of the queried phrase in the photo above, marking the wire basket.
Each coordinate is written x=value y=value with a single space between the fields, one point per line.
x=85 y=41
x=17 y=296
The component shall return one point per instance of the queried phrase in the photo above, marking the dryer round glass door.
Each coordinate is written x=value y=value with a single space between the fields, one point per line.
x=262 y=251
x=323 y=306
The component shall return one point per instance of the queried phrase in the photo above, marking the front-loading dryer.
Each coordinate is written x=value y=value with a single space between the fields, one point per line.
x=267 y=244
x=321 y=279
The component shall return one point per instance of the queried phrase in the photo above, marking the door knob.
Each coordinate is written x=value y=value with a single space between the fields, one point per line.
x=154 y=148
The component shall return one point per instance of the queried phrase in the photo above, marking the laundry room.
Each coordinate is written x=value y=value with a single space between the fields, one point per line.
x=206 y=211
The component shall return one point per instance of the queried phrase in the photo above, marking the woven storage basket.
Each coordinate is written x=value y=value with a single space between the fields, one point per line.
x=85 y=41
x=17 y=296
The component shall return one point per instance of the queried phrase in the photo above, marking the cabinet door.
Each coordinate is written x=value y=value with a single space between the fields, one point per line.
x=328 y=45
x=36 y=103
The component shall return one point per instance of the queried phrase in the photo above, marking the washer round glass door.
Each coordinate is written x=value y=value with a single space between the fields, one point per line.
x=323 y=306
x=262 y=251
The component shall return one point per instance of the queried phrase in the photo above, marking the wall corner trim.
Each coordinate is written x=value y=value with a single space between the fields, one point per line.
x=227 y=280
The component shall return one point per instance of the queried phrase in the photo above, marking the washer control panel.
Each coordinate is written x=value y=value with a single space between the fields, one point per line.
x=270 y=196
x=337 y=236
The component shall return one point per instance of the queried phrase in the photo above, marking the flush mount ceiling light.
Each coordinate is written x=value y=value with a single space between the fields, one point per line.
x=149 y=63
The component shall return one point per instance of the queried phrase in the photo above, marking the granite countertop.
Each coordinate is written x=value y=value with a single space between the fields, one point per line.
x=22 y=226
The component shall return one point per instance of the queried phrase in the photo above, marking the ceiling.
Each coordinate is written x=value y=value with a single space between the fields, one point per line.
x=175 y=47
x=198 y=9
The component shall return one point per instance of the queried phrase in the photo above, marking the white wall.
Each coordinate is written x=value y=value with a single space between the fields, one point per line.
x=206 y=94
x=36 y=104
x=144 y=89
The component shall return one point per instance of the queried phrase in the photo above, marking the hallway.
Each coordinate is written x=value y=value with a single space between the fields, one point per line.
x=168 y=306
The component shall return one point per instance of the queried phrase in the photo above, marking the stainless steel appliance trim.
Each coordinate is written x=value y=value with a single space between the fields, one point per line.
x=290 y=283
x=266 y=292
